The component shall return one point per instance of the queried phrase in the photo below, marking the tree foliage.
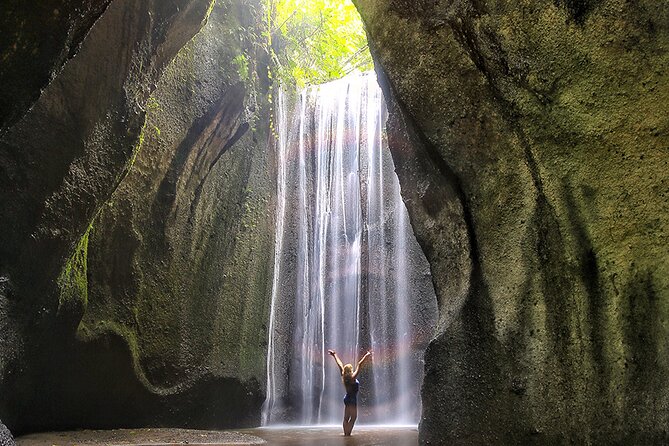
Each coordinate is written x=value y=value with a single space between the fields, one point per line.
x=316 y=41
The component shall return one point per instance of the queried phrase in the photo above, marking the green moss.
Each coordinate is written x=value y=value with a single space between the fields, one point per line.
x=152 y=104
x=212 y=3
x=87 y=332
x=73 y=282
x=241 y=61
x=135 y=150
x=177 y=291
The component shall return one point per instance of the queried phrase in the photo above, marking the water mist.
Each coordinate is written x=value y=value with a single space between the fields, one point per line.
x=348 y=272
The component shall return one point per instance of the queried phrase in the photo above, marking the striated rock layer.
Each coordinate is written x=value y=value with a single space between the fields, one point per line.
x=127 y=299
x=532 y=142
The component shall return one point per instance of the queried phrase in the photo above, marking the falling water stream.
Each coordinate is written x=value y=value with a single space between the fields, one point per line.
x=348 y=272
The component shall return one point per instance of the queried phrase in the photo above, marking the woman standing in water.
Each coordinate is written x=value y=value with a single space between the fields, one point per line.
x=352 y=385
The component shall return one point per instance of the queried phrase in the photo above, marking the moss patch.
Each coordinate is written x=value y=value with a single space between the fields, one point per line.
x=73 y=284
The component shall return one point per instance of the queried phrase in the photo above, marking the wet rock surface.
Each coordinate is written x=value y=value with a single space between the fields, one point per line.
x=6 y=438
x=38 y=39
x=333 y=435
x=177 y=265
x=152 y=437
x=73 y=331
x=531 y=141
x=277 y=436
x=531 y=144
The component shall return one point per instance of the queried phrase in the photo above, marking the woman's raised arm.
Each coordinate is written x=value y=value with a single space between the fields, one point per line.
x=362 y=360
x=336 y=358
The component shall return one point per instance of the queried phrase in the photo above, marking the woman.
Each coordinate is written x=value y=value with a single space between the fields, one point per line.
x=349 y=377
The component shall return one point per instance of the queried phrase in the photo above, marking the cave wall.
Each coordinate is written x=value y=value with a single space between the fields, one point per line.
x=177 y=260
x=531 y=140
x=106 y=318
x=37 y=39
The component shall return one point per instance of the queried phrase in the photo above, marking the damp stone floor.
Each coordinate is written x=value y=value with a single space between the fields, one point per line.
x=280 y=436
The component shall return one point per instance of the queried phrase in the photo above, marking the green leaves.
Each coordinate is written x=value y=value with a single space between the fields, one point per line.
x=317 y=41
x=241 y=61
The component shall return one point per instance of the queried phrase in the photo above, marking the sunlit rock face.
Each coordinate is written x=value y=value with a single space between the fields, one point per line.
x=532 y=142
x=105 y=319
x=179 y=261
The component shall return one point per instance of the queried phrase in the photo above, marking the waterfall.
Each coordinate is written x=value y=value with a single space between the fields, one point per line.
x=348 y=272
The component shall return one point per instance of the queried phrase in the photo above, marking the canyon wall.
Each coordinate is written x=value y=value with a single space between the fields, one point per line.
x=135 y=228
x=532 y=140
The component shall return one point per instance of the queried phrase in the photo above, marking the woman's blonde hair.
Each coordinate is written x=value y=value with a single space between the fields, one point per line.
x=348 y=372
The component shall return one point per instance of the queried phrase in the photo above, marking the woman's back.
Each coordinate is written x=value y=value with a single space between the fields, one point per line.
x=352 y=386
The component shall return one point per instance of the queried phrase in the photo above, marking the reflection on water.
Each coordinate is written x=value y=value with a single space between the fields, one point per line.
x=333 y=436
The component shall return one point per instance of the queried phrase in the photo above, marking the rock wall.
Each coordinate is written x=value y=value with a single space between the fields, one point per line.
x=531 y=140
x=177 y=260
x=89 y=335
x=6 y=438
x=37 y=39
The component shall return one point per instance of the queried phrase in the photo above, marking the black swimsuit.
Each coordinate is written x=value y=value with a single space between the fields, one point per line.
x=351 y=398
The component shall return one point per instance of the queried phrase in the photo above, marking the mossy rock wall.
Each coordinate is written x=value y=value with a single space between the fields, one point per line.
x=532 y=142
x=179 y=261
x=68 y=141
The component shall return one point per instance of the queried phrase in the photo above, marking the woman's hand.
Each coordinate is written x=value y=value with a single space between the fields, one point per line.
x=331 y=352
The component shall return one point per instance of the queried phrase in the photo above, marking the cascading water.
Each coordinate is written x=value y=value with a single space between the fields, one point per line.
x=349 y=274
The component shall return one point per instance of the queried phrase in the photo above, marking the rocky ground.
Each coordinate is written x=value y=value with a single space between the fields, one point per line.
x=324 y=436
x=153 y=437
x=5 y=436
